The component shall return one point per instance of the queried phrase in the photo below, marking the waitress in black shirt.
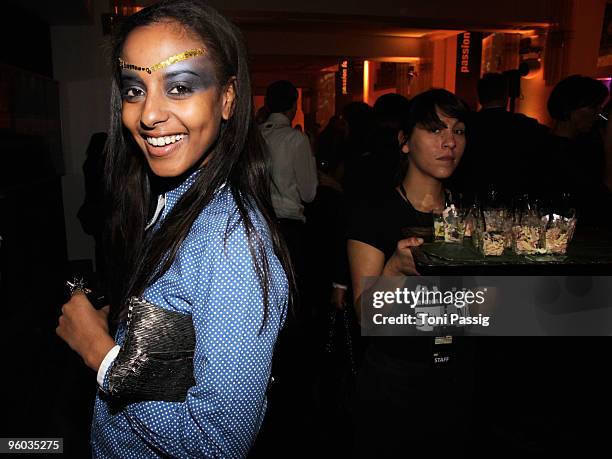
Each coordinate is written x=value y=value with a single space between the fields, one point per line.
x=405 y=402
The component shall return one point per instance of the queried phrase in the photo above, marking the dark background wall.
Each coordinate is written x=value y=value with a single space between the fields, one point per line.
x=45 y=390
x=26 y=40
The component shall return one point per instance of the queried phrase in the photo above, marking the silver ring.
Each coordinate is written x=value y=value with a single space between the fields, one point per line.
x=77 y=285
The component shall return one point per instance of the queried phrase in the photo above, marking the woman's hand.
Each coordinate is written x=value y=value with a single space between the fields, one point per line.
x=401 y=262
x=85 y=330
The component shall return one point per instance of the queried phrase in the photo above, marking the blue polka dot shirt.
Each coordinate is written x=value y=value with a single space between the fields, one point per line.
x=215 y=281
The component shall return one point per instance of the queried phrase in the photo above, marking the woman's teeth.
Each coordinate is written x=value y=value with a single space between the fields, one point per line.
x=161 y=141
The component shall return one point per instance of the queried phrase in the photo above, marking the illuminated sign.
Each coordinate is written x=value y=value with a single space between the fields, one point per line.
x=344 y=76
x=467 y=74
x=465 y=53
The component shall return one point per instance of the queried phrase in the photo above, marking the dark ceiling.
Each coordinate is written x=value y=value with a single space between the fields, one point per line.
x=59 y=12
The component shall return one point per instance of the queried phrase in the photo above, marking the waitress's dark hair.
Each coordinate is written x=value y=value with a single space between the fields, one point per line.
x=422 y=111
x=138 y=257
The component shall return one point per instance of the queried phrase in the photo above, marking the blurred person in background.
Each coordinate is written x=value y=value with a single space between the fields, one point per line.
x=575 y=149
x=292 y=166
x=500 y=145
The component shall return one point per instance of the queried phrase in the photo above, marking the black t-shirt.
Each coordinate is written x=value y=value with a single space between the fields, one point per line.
x=381 y=223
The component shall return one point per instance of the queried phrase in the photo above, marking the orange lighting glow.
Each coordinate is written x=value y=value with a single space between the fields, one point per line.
x=366 y=82
x=126 y=7
x=127 y=10
x=399 y=59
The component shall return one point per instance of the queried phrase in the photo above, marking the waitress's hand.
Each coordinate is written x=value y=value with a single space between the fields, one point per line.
x=401 y=262
x=85 y=330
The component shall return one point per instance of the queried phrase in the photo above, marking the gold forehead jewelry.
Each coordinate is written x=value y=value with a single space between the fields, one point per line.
x=171 y=60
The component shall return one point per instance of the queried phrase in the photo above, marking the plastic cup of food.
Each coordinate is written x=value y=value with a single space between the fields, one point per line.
x=454 y=229
x=438 y=225
x=527 y=239
x=493 y=243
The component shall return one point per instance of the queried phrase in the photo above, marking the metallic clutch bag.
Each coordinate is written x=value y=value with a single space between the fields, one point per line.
x=156 y=359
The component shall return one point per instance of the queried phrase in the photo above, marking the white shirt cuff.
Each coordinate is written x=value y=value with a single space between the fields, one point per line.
x=106 y=363
x=340 y=286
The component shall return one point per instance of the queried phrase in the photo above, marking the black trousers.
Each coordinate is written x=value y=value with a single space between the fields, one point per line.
x=406 y=409
x=293 y=232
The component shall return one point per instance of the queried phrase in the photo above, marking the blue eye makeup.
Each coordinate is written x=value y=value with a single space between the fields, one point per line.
x=132 y=87
x=193 y=74
x=180 y=89
x=132 y=93
x=183 y=83
x=180 y=80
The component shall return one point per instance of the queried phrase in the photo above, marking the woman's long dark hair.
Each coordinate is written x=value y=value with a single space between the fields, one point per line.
x=139 y=258
x=422 y=111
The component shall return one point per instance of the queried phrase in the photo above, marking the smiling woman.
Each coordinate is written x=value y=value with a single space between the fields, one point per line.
x=173 y=108
x=201 y=280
